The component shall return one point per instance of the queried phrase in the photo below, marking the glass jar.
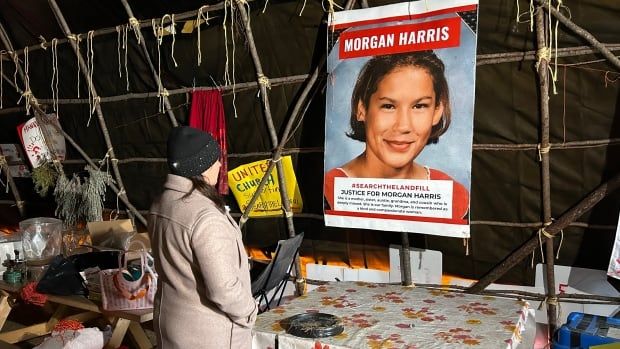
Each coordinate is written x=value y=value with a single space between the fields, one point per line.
x=41 y=239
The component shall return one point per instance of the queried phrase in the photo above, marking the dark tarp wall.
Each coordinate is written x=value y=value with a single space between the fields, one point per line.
x=505 y=184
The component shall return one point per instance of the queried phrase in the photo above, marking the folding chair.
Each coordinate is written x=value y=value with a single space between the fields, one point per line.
x=277 y=272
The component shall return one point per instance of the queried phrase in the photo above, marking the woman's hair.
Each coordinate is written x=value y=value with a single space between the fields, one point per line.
x=206 y=189
x=379 y=66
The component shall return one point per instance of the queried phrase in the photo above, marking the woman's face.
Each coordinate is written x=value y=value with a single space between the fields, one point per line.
x=399 y=117
x=210 y=175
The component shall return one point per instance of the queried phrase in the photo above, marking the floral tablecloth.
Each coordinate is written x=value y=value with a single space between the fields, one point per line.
x=392 y=316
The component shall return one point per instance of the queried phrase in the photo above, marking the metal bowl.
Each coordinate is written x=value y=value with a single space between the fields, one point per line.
x=313 y=325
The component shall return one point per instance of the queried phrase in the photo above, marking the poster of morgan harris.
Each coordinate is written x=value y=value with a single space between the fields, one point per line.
x=399 y=117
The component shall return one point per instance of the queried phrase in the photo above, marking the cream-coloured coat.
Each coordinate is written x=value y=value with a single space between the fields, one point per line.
x=203 y=295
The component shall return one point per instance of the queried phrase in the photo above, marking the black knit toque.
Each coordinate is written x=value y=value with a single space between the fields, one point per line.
x=191 y=151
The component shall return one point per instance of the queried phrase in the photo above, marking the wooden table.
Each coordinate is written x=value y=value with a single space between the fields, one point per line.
x=393 y=316
x=121 y=321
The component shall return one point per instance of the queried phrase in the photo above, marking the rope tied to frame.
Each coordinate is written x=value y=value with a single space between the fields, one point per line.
x=553 y=43
x=200 y=16
x=288 y=214
x=263 y=80
x=550 y=236
x=105 y=158
x=133 y=21
x=55 y=73
x=158 y=32
x=543 y=232
x=163 y=94
x=135 y=27
x=43 y=42
x=90 y=64
x=120 y=193
x=543 y=53
x=77 y=38
x=29 y=100
x=16 y=63
x=96 y=102
x=119 y=30
x=229 y=7
x=125 y=41
x=542 y=150
x=540 y=233
x=27 y=94
x=173 y=31
x=552 y=300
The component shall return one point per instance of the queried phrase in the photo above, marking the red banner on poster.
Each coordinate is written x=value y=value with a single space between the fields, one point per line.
x=401 y=38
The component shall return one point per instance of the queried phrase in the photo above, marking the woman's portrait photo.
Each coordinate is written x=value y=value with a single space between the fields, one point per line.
x=400 y=109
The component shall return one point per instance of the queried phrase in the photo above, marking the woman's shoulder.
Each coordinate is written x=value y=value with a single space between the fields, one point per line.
x=336 y=172
x=328 y=184
x=435 y=174
x=460 y=195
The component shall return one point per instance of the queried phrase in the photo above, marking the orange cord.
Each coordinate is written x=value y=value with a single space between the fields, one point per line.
x=30 y=295
x=64 y=325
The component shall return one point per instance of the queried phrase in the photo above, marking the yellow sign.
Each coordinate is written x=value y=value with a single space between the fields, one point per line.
x=244 y=180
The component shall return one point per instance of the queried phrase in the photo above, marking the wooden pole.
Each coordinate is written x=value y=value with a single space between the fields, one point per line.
x=562 y=222
x=405 y=259
x=584 y=34
x=226 y=89
x=263 y=82
x=145 y=50
x=87 y=73
x=301 y=102
x=4 y=167
x=543 y=151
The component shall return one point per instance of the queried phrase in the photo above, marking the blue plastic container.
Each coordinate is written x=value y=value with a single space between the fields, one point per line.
x=581 y=331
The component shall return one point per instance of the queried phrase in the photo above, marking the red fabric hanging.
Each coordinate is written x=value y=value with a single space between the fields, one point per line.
x=207 y=114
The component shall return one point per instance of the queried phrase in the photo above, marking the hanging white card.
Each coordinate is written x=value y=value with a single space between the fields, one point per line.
x=34 y=142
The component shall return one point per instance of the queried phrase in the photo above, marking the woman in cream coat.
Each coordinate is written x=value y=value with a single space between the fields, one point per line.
x=203 y=295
